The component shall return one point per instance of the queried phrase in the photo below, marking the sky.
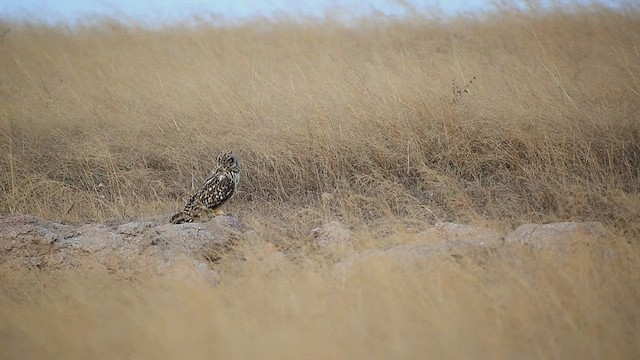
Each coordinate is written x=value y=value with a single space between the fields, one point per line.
x=163 y=11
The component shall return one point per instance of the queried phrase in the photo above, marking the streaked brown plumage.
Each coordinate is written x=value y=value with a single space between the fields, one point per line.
x=215 y=191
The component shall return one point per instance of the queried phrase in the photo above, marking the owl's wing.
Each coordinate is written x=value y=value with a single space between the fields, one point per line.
x=215 y=191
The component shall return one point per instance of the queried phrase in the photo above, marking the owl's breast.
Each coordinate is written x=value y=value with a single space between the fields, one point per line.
x=235 y=175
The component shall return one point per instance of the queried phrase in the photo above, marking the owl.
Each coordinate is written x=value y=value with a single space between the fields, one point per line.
x=215 y=191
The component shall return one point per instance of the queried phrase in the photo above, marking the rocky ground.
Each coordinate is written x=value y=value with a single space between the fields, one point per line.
x=189 y=251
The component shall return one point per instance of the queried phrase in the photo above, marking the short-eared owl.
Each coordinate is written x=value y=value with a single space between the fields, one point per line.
x=218 y=188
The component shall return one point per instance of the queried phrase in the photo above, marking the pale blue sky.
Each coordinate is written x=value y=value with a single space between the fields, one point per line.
x=150 y=12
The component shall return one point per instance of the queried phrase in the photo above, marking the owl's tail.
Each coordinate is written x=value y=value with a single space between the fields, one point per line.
x=180 y=218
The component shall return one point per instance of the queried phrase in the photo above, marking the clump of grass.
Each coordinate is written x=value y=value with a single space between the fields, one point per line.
x=459 y=91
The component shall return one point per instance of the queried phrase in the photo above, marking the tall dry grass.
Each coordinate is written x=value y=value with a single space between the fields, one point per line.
x=512 y=304
x=369 y=124
x=549 y=129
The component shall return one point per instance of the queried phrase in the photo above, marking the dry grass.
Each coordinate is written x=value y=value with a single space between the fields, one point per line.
x=514 y=304
x=366 y=124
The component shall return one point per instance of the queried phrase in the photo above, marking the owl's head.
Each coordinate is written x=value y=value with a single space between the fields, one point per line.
x=228 y=161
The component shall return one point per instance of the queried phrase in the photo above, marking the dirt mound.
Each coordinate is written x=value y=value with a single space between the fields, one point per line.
x=188 y=251
x=456 y=241
x=127 y=250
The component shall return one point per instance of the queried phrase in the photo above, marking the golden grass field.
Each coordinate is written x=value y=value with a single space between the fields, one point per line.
x=388 y=127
